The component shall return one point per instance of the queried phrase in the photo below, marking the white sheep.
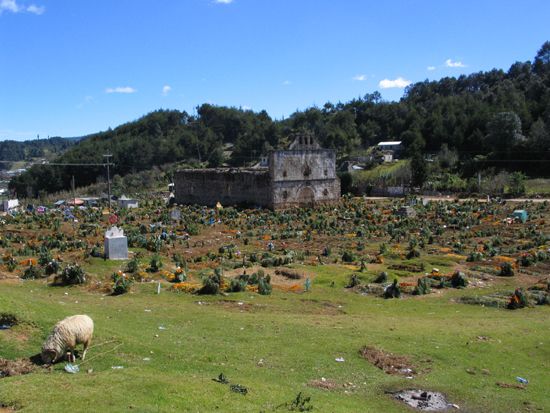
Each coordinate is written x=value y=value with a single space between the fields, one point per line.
x=73 y=330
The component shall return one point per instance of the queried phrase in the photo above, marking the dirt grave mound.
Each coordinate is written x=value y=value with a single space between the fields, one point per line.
x=9 y=368
x=428 y=401
x=388 y=362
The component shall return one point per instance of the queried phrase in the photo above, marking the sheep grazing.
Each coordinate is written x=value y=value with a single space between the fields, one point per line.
x=73 y=330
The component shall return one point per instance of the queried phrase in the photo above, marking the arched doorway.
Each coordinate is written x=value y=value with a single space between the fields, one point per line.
x=306 y=197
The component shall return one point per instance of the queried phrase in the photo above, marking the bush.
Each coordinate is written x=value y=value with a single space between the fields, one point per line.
x=392 y=291
x=121 y=283
x=422 y=287
x=72 y=274
x=458 y=280
x=52 y=267
x=180 y=275
x=353 y=281
x=45 y=257
x=31 y=273
x=474 y=256
x=132 y=265
x=237 y=285
x=155 y=264
x=348 y=257
x=264 y=285
x=381 y=278
x=506 y=270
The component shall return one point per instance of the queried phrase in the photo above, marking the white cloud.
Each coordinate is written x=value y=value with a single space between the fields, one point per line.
x=430 y=68
x=13 y=7
x=396 y=83
x=166 y=89
x=450 y=63
x=9 y=5
x=34 y=9
x=85 y=101
x=286 y=83
x=223 y=1
x=360 y=77
x=120 y=89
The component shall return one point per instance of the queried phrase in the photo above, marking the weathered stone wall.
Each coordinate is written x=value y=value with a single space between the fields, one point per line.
x=228 y=186
x=288 y=194
x=299 y=165
x=304 y=178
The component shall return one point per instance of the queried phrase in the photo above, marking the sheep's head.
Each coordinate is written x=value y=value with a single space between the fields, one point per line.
x=49 y=356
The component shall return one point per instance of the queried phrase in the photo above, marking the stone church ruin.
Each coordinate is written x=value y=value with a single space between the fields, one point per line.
x=304 y=175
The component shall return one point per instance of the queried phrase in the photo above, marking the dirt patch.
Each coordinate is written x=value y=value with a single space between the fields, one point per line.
x=322 y=307
x=424 y=400
x=9 y=368
x=511 y=385
x=391 y=363
x=324 y=384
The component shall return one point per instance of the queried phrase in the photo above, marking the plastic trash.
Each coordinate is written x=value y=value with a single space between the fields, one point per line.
x=117 y=367
x=162 y=328
x=522 y=380
x=340 y=359
x=72 y=368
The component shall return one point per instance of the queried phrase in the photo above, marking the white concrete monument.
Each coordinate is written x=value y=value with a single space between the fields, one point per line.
x=116 y=244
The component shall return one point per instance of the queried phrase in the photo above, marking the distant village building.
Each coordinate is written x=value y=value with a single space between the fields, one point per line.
x=302 y=176
x=390 y=150
x=9 y=204
x=125 y=202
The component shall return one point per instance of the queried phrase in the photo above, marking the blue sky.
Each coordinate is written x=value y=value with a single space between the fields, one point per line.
x=73 y=67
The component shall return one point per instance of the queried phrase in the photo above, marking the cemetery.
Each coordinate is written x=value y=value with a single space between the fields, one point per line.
x=362 y=304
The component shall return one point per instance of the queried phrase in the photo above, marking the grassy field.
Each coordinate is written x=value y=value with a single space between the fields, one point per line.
x=275 y=346
x=160 y=352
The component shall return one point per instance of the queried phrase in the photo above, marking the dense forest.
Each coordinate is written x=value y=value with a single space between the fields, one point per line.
x=14 y=151
x=486 y=121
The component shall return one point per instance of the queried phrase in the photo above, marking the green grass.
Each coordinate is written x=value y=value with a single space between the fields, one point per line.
x=297 y=336
x=537 y=187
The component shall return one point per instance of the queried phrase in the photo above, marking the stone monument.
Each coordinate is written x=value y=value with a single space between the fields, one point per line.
x=116 y=244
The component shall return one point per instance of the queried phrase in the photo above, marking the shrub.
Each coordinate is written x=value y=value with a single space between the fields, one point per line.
x=264 y=285
x=210 y=285
x=72 y=274
x=348 y=257
x=132 y=266
x=517 y=300
x=237 y=285
x=155 y=264
x=121 y=283
x=506 y=270
x=381 y=278
x=393 y=290
x=422 y=287
x=474 y=256
x=52 y=267
x=458 y=280
x=353 y=281
x=31 y=272
x=413 y=253
x=44 y=257
x=180 y=275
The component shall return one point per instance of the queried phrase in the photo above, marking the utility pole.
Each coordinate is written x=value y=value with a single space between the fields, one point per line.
x=108 y=156
x=74 y=192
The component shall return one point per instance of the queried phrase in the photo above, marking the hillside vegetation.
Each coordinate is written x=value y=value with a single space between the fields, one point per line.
x=496 y=119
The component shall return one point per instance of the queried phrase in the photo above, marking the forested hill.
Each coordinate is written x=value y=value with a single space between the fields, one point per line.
x=499 y=117
x=14 y=151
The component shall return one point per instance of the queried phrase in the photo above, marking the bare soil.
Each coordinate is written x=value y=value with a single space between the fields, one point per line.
x=388 y=362
x=9 y=368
